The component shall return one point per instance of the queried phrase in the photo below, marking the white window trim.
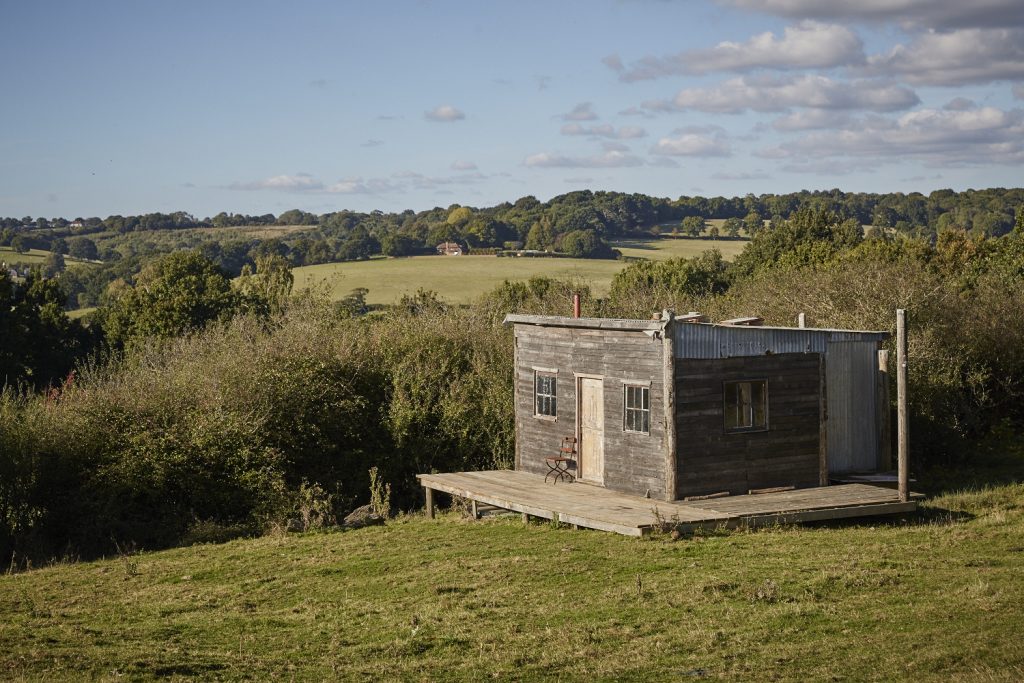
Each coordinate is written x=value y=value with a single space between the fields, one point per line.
x=537 y=372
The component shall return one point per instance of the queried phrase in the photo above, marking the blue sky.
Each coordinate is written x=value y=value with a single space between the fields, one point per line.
x=255 y=107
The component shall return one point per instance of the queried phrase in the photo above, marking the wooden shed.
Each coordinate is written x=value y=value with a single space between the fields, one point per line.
x=670 y=409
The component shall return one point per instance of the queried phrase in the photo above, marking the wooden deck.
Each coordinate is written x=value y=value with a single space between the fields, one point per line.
x=598 y=508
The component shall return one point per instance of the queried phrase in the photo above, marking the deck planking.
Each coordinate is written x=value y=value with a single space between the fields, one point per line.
x=595 y=507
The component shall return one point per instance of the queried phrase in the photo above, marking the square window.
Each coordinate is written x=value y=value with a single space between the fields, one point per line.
x=746 y=405
x=636 y=409
x=545 y=395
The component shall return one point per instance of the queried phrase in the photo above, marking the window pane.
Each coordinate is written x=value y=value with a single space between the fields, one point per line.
x=636 y=409
x=745 y=405
x=544 y=395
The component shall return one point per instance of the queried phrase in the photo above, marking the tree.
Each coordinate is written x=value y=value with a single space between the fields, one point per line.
x=83 y=248
x=398 y=245
x=271 y=282
x=459 y=216
x=732 y=227
x=38 y=343
x=540 y=236
x=175 y=295
x=53 y=265
x=19 y=244
x=714 y=232
x=692 y=226
x=753 y=223
x=585 y=244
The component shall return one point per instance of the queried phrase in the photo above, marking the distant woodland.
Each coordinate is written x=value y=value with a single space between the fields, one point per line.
x=578 y=224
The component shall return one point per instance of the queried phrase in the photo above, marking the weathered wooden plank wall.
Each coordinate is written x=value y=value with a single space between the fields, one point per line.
x=634 y=463
x=786 y=454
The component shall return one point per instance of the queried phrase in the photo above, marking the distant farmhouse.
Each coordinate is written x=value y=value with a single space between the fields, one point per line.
x=449 y=249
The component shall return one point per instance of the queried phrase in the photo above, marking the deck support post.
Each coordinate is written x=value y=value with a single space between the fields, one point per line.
x=475 y=510
x=903 y=428
x=526 y=518
x=430 y=501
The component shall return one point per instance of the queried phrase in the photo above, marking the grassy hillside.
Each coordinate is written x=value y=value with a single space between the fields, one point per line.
x=34 y=257
x=461 y=279
x=933 y=597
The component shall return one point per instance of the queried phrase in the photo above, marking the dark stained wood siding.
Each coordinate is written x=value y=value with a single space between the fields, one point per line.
x=710 y=460
x=634 y=463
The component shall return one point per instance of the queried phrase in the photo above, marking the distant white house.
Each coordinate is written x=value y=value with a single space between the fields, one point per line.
x=449 y=249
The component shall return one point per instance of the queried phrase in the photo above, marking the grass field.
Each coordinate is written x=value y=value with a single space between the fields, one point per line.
x=461 y=279
x=934 y=597
x=33 y=257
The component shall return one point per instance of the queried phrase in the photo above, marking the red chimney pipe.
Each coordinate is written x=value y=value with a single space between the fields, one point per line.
x=575 y=305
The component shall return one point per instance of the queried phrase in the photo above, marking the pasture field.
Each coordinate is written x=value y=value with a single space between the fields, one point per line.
x=935 y=596
x=31 y=257
x=34 y=257
x=461 y=279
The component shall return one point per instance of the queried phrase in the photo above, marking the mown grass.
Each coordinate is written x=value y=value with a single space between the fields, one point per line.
x=462 y=279
x=933 y=597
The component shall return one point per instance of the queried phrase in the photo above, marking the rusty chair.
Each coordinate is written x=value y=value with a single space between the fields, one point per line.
x=559 y=465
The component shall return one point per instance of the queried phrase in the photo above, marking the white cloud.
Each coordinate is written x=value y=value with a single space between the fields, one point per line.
x=811 y=119
x=300 y=182
x=927 y=13
x=756 y=175
x=613 y=62
x=581 y=112
x=445 y=113
x=694 y=142
x=604 y=131
x=462 y=165
x=808 y=45
x=635 y=111
x=358 y=185
x=938 y=137
x=777 y=94
x=422 y=181
x=954 y=58
x=960 y=104
x=611 y=159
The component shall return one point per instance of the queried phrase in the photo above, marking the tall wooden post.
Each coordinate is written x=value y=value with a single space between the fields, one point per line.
x=901 y=403
x=430 y=501
x=668 y=390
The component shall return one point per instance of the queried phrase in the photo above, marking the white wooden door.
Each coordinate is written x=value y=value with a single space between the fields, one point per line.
x=591 y=428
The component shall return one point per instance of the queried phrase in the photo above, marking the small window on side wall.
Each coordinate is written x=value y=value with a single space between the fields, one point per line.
x=545 y=395
x=636 y=410
x=746 y=406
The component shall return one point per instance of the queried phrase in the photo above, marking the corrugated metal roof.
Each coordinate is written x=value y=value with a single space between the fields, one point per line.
x=700 y=340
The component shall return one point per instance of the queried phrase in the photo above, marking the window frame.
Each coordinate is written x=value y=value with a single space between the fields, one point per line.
x=753 y=426
x=641 y=411
x=552 y=397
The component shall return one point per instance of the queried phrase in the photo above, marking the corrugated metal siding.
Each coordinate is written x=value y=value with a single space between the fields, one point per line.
x=851 y=371
x=851 y=363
